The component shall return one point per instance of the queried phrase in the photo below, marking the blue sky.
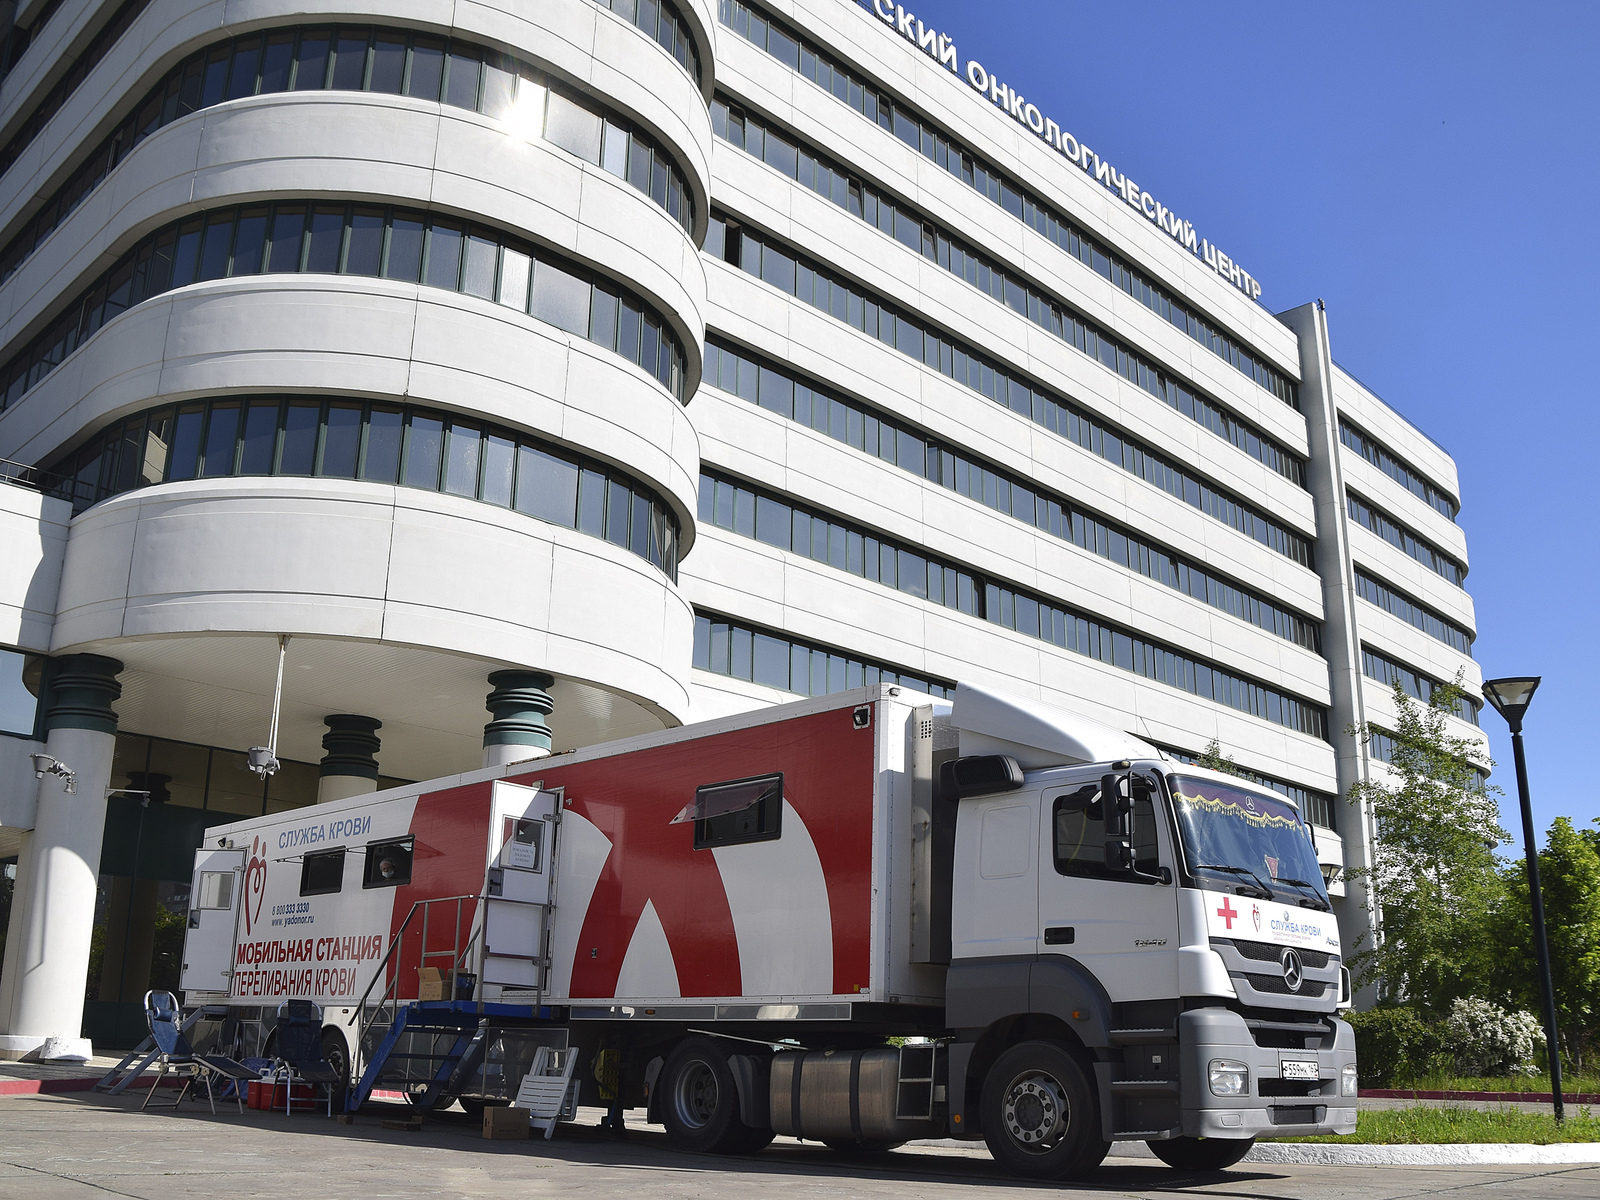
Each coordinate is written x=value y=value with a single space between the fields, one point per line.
x=1430 y=171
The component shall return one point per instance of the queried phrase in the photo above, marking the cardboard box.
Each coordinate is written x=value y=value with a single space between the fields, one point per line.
x=432 y=984
x=502 y=1123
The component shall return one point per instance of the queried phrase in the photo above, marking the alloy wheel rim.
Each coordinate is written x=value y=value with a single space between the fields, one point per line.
x=1035 y=1111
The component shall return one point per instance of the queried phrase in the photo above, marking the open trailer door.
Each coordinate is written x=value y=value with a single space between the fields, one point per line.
x=215 y=894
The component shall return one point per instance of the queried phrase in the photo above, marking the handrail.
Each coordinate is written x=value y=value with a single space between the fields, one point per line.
x=457 y=953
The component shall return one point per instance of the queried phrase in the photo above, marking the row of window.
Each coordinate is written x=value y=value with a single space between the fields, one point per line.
x=802 y=163
x=935 y=144
x=1415 y=684
x=1407 y=609
x=1384 y=747
x=86 y=60
x=336 y=438
x=373 y=60
x=778 y=661
x=386 y=864
x=1372 y=518
x=662 y=21
x=777 y=389
x=21 y=36
x=779 y=522
x=1317 y=807
x=358 y=239
x=1380 y=456
x=761 y=256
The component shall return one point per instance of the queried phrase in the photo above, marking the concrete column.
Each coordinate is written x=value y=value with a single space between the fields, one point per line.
x=350 y=766
x=52 y=913
x=520 y=703
x=1341 y=635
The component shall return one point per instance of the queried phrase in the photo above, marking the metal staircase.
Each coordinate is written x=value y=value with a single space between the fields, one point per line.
x=434 y=1048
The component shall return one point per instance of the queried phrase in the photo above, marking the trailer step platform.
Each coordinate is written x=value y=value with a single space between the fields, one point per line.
x=455 y=1039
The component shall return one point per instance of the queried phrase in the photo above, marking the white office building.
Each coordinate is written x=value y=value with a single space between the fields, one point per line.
x=535 y=374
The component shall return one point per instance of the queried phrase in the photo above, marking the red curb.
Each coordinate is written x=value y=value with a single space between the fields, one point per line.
x=1499 y=1097
x=34 y=1087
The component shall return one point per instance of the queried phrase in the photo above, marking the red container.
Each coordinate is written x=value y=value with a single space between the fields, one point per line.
x=272 y=1095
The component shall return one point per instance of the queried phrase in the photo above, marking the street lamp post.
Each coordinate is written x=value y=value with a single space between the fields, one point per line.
x=1511 y=698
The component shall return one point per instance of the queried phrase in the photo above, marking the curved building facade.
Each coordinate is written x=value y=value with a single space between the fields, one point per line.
x=517 y=380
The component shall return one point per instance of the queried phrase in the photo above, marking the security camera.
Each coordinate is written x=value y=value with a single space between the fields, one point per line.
x=262 y=761
x=44 y=765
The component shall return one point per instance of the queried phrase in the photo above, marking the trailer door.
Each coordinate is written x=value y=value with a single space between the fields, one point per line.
x=214 y=899
x=520 y=886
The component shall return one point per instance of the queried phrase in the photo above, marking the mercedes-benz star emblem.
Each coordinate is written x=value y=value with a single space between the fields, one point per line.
x=1293 y=973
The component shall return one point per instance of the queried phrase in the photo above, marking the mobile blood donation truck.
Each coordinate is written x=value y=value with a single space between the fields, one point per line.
x=726 y=924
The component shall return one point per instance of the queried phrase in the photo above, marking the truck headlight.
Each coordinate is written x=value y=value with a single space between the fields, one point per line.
x=1347 y=1081
x=1229 y=1078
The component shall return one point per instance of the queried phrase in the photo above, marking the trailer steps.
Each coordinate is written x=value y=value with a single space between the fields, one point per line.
x=464 y=1028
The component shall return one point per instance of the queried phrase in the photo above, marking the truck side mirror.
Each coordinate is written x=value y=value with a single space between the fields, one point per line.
x=1116 y=808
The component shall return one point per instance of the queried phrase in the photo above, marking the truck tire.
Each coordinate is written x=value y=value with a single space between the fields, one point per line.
x=1201 y=1154
x=1041 y=1117
x=700 y=1102
x=337 y=1055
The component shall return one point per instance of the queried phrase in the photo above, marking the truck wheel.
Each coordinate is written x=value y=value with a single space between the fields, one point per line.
x=700 y=1102
x=1040 y=1117
x=337 y=1055
x=1201 y=1154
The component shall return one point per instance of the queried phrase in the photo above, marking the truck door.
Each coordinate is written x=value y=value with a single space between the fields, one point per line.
x=214 y=899
x=1123 y=927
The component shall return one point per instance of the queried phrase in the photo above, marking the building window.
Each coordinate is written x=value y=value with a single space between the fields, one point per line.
x=1380 y=456
x=1397 y=535
x=778 y=389
x=760 y=255
x=419 y=247
x=19 y=707
x=380 y=60
x=775 y=660
x=383 y=443
x=895 y=218
x=831 y=75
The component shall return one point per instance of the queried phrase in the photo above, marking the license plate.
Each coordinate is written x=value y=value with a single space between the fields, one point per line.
x=1291 y=1069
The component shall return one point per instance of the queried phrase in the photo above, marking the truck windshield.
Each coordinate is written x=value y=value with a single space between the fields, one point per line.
x=1247 y=839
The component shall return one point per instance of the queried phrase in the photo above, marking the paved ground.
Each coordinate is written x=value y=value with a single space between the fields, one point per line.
x=81 y=1145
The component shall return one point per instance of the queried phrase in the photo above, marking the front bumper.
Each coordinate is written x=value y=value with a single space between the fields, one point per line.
x=1273 y=1106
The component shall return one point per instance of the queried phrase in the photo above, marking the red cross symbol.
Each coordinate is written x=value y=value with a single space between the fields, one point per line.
x=1227 y=912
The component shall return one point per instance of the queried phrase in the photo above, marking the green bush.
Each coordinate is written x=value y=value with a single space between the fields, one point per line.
x=1393 y=1046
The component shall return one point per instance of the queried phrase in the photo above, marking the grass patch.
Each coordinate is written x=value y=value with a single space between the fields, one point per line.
x=1426 y=1125
x=1577 y=1081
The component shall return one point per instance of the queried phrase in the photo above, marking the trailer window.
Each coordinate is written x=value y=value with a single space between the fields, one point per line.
x=322 y=873
x=216 y=889
x=741 y=810
x=1080 y=835
x=388 y=864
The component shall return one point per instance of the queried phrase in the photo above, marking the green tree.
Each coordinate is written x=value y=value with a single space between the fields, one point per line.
x=1569 y=877
x=1434 y=877
x=1213 y=759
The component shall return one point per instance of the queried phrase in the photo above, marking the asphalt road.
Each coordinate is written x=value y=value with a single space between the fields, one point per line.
x=79 y=1145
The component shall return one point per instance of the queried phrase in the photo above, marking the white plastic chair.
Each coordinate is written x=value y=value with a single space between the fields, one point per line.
x=548 y=1090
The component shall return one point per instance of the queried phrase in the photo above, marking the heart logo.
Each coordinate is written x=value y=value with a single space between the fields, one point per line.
x=255 y=884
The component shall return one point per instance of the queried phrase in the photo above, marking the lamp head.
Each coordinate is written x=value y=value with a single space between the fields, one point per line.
x=1511 y=697
x=44 y=764
x=262 y=761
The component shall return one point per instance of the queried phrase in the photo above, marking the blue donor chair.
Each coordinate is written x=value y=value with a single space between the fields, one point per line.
x=178 y=1057
x=300 y=1057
